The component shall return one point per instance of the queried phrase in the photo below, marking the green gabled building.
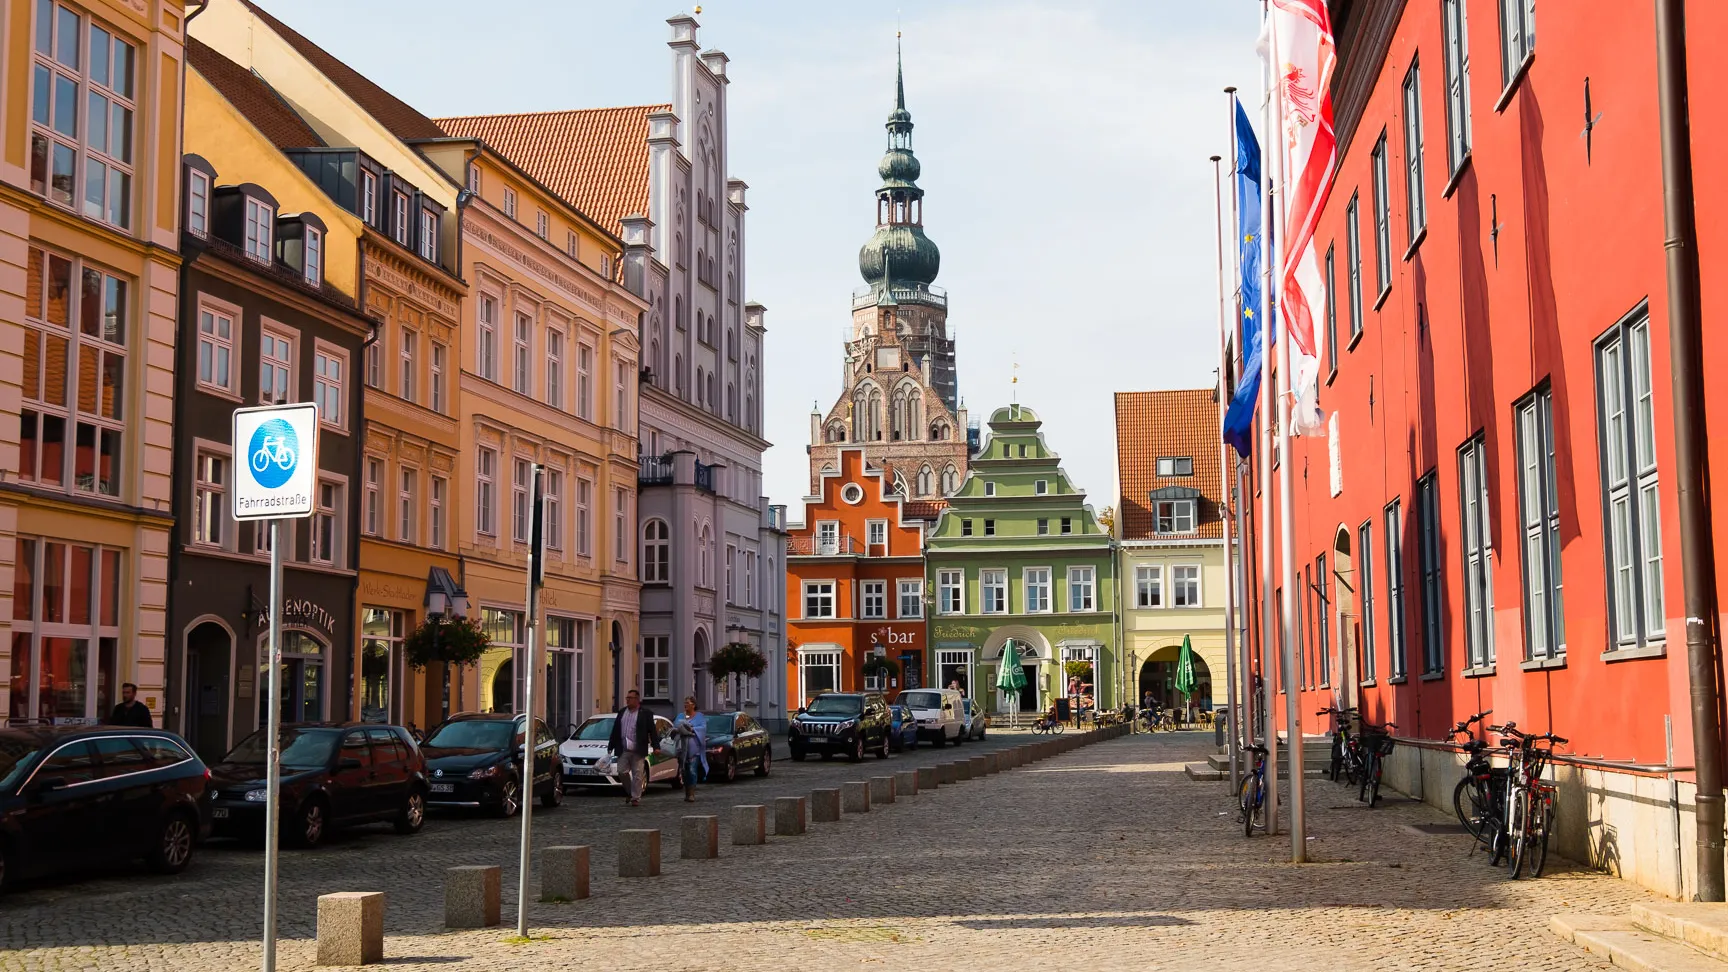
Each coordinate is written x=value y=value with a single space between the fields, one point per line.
x=1017 y=556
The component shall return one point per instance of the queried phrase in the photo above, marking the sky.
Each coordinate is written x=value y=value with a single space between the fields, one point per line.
x=1065 y=156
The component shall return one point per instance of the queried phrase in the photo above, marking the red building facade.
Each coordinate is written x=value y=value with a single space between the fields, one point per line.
x=1491 y=522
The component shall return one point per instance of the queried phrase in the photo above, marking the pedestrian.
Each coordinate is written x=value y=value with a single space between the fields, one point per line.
x=130 y=711
x=634 y=736
x=1146 y=700
x=691 y=731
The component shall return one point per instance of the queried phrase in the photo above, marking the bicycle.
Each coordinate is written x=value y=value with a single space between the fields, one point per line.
x=1478 y=797
x=1048 y=724
x=1252 y=799
x=1348 y=759
x=274 y=450
x=1529 y=801
x=1161 y=719
x=1376 y=744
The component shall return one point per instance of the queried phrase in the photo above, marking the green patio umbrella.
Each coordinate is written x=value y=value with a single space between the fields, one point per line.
x=1185 y=669
x=1012 y=678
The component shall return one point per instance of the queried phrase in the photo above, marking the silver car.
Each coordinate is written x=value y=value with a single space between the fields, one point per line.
x=585 y=761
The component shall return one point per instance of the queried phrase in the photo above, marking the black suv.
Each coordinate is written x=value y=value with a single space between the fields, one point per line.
x=842 y=722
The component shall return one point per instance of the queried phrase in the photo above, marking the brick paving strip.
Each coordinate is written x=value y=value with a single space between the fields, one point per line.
x=1104 y=858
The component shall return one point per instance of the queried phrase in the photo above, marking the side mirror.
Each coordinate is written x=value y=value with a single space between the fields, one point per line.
x=348 y=763
x=802 y=710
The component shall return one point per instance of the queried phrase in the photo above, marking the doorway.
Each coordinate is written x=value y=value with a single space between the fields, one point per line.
x=1158 y=676
x=302 y=678
x=209 y=652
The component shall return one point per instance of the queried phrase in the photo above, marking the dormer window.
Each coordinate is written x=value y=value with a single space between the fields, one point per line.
x=300 y=246
x=260 y=221
x=314 y=256
x=1174 y=516
x=197 y=203
x=400 y=226
x=429 y=235
x=1175 y=466
x=369 y=197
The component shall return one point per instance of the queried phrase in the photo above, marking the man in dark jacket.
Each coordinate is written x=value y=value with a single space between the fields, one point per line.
x=130 y=711
x=634 y=736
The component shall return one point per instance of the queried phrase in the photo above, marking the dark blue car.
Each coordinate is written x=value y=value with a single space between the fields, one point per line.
x=904 y=733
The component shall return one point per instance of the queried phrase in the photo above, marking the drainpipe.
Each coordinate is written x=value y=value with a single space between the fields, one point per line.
x=1691 y=445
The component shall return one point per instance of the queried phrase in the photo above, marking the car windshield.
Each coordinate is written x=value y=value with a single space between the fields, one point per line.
x=302 y=749
x=923 y=700
x=836 y=705
x=16 y=751
x=474 y=734
x=725 y=724
x=595 y=729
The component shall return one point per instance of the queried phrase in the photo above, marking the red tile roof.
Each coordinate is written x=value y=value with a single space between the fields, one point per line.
x=393 y=113
x=923 y=509
x=596 y=159
x=1171 y=424
x=252 y=97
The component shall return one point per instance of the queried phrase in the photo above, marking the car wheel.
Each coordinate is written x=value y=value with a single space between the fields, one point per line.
x=731 y=773
x=553 y=798
x=310 y=824
x=827 y=754
x=509 y=798
x=882 y=751
x=413 y=814
x=857 y=752
x=797 y=755
x=173 y=848
x=764 y=764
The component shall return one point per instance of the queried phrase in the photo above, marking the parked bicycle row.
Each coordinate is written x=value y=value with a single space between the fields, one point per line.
x=1508 y=809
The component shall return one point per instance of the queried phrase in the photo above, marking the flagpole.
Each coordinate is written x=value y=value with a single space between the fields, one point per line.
x=1224 y=482
x=1244 y=682
x=1271 y=660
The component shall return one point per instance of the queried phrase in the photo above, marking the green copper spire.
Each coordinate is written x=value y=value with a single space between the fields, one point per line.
x=899 y=254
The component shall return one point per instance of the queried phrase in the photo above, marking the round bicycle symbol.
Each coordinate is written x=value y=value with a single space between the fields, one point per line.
x=274 y=451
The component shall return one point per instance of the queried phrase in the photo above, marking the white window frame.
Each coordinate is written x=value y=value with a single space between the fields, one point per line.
x=543 y=224
x=485 y=492
x=1517 y=38
x=552 y=498
x=993 y=591
x=1455 y=31
x=1631 y=495
x=570 y=244
x=584 y=380
x=402 y=229
x=312 y=255
x=331 y=516
x=271 y=335
x=197 y=203
x=1036 y=584
x=1415 y=187
x=521 y=486
x=260 y=230
x=1365 y=571
x=555 y=367
x=951 y=592
x=656 y=551
x=1177 y=513
x=486 y=338
x=1477 y=552
x=621 y=531
x=1185 y=588
x=1083 y=581
x=1539 y=515
x=656 y=667
x=210 y=497
x=1396 y=633
x=911 y=598
x=873 y=599
x=509 y=202
x=621 y=395
x=521 y=351
x=876 y=533
x=369 y=197
x=91 y=151
x=407 y=349
x=1353 y=250
x=218 y=345
x=810 y=659
x=584 y=517
x=1382 y=218
x=407 y=503
x=330 y=384
x=437 y=501
x=820 y=600
x=372 y=508
x=1149 y=586
x=436 y=368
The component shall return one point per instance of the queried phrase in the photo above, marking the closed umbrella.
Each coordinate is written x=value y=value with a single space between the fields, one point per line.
x=1185 y=670
x=1012 y=678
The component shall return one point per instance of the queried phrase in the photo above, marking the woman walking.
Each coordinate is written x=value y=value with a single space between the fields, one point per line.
x=691 y=730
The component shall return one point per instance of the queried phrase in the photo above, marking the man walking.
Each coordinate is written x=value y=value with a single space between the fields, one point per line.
x=633 y=738
x=130 y=711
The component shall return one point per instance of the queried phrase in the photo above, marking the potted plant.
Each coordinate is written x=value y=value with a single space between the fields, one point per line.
x=454 y=642
x=736 y=659
x=878 y=669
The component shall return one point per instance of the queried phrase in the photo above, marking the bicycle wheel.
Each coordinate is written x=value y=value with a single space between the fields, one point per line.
x=1057 y=728
x=1519 y=829
x=1253 y=804
x=1467 y=804
x=1337 y=758
x=1541 y=823
x=1374 y=782
x=1369 y=770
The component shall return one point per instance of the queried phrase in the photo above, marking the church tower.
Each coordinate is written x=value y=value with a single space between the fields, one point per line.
x=899 y=392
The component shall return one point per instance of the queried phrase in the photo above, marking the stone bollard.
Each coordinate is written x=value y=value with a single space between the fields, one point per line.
x=927 y=778
x=906 y=783
x=789 y=816
x=700 y=840
x=824 y=806
x=962 y=769
x=855 y=797
x=949 y=772
x=564 y=873
x=881 y=789
x=749 y=824
x=977 y=767
x=992 y=764
x=351 y=928
x=471 y=896
x=638 y=853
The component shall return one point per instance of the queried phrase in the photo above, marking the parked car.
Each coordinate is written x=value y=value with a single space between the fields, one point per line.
x=904 y=734
x=72 y=797
x=939 y=714
x=333 y=775
x=474 y=761
x=586 y=763
x=736 y=741
x=972 y=716
x=841 y=722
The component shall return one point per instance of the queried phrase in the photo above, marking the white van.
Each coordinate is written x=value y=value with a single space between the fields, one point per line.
x=940 y=719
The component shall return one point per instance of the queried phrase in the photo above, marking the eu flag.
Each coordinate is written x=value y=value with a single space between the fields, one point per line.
x=1239 y=418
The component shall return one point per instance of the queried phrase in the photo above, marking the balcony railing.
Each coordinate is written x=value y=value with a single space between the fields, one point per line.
x=705 y=478
x=813 y=546
x=777 y=518
x=905 y=295
x=654 y=471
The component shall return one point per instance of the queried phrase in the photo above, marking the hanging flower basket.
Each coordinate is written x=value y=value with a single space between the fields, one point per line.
x=458 y=641
x=736 y=658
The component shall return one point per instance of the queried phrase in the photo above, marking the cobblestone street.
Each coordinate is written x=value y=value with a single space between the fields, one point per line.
x=1104 y=858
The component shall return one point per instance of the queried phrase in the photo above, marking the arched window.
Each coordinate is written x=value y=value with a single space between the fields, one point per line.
x=731 y=402
x=714 y=392
x=704 y=563
x=860 y=414
x=926 y=479
x=701 y=386
x=900 y=484
x=678 y=313
x=950 y=480
x=678 y=372
x=656 y=552
x=875 y=410
x=913 y=422
x=938 y=432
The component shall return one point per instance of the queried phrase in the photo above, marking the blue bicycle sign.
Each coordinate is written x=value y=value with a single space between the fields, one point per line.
x=274 y=452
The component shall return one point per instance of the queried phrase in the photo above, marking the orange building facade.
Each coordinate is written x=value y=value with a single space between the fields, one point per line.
x=855 y=586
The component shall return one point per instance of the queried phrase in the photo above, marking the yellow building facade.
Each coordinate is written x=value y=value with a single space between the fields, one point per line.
x=90 y=111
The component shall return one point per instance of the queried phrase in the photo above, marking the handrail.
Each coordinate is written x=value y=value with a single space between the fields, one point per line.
x=1617 y=766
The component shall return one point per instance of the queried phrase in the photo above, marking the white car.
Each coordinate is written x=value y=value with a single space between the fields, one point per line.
x=939 y=715
x=586 y=762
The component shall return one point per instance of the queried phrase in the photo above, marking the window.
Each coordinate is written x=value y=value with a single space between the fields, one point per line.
x=373 y=512
x=1149 y=586
x=1478 y=553
x=474 y=179
x=275 y=368
x=1455 y=24
x=621 y=396
x=407 y=505
x=1416 y=215
x=965 y=528
x=1365 y=571
x=1067 y=526
x=819 y=599
x=993 y=591
x=1036 y=581
x=989 y=528
x=656 y=667
x=435 y=505
x=555 y=368
x=542 y=224
x=216 y=339
x=509 y=202
x=552 y=488
x=488 y=338
x=704 y=566
x=1173 y=516
x=1040 y=487
x=1517 y=37
x=911 y=599
x=1395 y=643
x=1175 y=466
x=951 y=588
x=260 y=222
x=521 y=483
x=1080 y=583
x=621 y=525
x=818 y=672
x=1428 y=549
x=485 y=500
x=521 y=373
x=749 y=578
x=327 y=367
x=731 y=574
x=875 y=599
x=399 y=210
x=327 y=520
x=570 y=243
x=65 y=632
x=1382 y=220
x=374 y=362
x=876 y=533
x=656 y=552
x=1353 y=262
x=1185 y=586
x=438 y=378
x=585 y=381
x=1043 y=527
x=1331 y=313
x=314 y=256
x=407 y=347
x=81 y=68
x=1539 y=515
x=210 y=499
x=381 y=635
x=1632 y=506
x=584 y=517
x=989 y=489
x=369 y=197
x=197 y=202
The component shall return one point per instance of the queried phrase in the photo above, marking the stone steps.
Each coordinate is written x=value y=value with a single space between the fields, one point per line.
x=1664 y=936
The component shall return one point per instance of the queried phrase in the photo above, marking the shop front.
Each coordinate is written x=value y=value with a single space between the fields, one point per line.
x=392 y=603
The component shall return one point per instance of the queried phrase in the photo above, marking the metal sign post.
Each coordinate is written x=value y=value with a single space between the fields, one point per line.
x=531 y=661
x=278 y=449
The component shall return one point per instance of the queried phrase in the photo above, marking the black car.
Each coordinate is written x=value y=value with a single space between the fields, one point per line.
x=75 y=797
x=736 y=741
x=475 y=760
x=333 y=775
x=842 y=722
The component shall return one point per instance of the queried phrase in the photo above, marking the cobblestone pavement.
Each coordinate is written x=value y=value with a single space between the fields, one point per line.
x=1104 y=858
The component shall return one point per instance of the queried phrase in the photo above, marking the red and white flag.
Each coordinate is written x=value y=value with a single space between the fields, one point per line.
x=1303 y=59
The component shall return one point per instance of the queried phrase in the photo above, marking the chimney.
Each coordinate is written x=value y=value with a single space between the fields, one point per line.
x=815 y=425
x=637 y=251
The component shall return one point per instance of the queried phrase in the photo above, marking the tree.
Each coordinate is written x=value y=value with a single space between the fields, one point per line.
x=736 y=659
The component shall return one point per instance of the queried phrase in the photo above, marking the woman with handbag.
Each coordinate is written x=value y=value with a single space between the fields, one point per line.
x=691 y=732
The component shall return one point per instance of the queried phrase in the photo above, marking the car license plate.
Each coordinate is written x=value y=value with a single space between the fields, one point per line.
x=443 y=788
x=219 y=813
